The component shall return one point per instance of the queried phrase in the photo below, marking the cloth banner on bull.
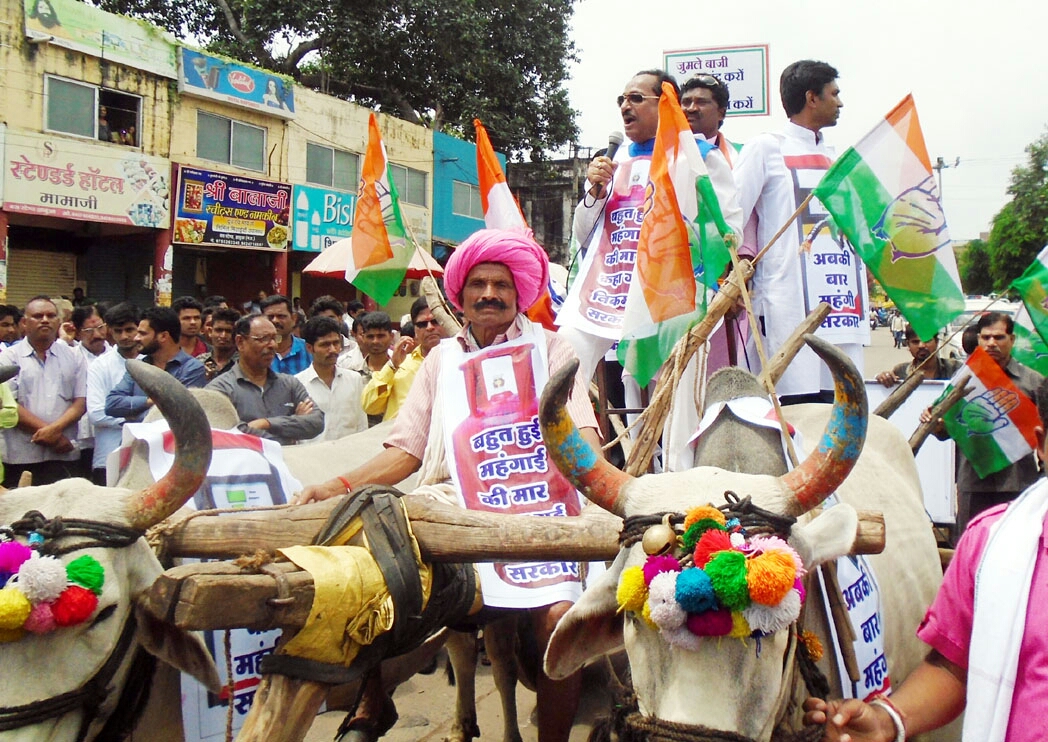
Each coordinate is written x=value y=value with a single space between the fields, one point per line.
x=246 y=471
x=498 y=460
x=859 y=587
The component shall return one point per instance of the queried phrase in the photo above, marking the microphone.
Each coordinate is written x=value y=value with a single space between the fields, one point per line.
x=614 y=140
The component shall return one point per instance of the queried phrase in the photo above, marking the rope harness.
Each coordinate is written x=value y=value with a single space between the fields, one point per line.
x=628 y=724
x=44 y=535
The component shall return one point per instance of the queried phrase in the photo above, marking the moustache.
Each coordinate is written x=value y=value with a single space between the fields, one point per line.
x=490 y=304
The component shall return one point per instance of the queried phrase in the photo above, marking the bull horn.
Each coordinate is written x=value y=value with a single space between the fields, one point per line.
x=192 y=433
x=585 y=468
x=8 y=372
x=838 y=449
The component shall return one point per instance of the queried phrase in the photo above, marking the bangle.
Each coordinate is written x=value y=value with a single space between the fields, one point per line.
x=392 y=366
x=894 y=714
x=345 y=483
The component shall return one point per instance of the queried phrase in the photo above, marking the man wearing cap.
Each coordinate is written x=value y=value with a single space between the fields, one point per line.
x=493 y=277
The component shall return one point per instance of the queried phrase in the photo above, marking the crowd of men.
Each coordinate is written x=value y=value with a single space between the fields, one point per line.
x=290 y=377
x=296 y=376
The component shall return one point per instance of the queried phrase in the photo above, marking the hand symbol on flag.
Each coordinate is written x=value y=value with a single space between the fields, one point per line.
x=988 y=412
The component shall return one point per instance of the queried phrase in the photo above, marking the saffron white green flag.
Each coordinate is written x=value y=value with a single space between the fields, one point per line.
x=1030 y=348
x=682 y=242
x=994 y=424
x=381 y=252
x=1032 y=285
x=883 y=196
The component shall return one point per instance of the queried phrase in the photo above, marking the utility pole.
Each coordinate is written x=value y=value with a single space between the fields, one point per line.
x=938 y=167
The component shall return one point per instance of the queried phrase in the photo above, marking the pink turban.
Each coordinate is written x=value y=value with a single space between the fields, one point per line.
x=515 y=249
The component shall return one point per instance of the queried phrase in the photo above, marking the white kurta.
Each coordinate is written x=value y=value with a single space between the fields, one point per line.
x=773 y=174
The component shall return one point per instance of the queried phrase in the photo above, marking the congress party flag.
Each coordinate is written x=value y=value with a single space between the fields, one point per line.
x=882 y=194
x=381 y=251
x=1032 y=285
x=681 y=239
x=994 y=425
x=1029 y=349
x=501 y=210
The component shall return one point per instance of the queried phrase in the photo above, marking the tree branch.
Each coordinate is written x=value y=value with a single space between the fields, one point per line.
x=234 y=26
x=290 y=64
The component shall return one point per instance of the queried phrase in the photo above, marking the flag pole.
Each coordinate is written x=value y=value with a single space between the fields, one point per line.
x=783 y=228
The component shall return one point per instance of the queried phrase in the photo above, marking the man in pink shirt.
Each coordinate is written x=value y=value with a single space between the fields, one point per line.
x=493 y=276
x=1000 y=679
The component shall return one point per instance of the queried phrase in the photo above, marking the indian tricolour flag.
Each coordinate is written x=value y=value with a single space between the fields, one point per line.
x=381 y=252
x=501 y=211
x=1029 y=348
x=1032 y=285
x=681 y=240
x=994 y=425
x=883 y=196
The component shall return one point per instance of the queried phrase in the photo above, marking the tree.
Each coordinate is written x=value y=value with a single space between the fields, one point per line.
x=439 y=63
x=1020 y=229
x=975 y=269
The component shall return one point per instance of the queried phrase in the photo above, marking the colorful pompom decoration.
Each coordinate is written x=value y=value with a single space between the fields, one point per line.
x=702 y=512
x=727 y=571
x=12 y=554
x=43 y=594
x=74 y=605
x=734 y=586
x=632 y=591
x=770 y=576
x=656 y=565
x=14 y=608
x=812 y=644
x=665 y=611
x=42 y=579
x=86 y=572
x=41 y=619
x=710 y=543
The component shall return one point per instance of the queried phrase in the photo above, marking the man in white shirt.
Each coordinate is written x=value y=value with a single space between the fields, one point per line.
x=51 y=390
x=774 y=173
x=335 y=390
x=102 y=376
x=91 y=342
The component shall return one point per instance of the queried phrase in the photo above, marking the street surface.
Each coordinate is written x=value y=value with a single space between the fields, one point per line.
x=426 y=703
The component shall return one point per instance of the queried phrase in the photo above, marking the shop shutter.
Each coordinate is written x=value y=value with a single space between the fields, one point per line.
x=34 y=272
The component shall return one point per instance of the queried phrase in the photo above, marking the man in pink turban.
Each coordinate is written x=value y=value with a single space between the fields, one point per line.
x=492 y=277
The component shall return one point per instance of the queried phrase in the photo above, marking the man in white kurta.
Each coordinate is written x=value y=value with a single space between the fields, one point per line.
x=774 y=173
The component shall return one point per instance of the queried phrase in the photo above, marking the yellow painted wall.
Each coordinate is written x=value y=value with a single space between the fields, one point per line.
x=23 y=67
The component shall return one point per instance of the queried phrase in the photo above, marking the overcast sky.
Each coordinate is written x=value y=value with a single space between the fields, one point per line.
x=978 y=73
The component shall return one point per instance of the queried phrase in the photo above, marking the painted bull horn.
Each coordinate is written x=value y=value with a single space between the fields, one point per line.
x=8 y=372
x=585 y=468
x=192 y=434
x=835 y=455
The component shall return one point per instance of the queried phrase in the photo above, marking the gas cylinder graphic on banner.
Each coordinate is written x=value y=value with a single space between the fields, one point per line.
x=499 y=453
x=301 y=229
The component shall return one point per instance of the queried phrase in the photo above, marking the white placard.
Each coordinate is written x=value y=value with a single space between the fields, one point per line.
x=935 y=460
x=744 y=69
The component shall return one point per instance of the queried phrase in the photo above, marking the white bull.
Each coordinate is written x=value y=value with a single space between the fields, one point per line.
x=67 y=684
x=727 y=684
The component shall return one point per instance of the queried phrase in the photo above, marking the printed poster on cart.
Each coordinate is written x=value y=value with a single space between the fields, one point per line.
x=224 y=210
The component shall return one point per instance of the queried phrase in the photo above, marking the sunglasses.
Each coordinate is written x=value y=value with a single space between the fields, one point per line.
x=634 y=98
x=422 y=324
x=708 y=80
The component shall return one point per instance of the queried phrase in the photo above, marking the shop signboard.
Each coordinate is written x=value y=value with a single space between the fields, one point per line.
x=208 y=76
x=68 y=178
x=323 y=216
x=225 y=210
x=744 y=69
x=74 y=24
